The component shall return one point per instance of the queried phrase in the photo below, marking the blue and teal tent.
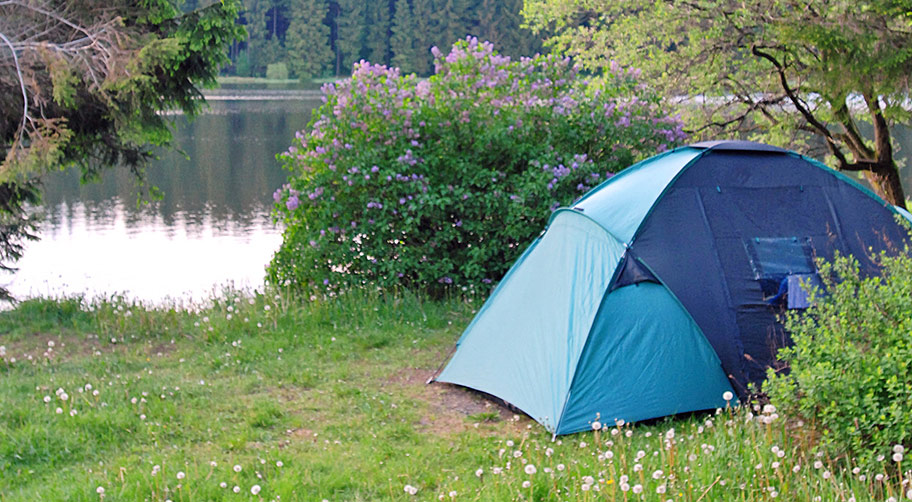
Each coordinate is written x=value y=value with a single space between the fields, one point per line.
x=660 y=289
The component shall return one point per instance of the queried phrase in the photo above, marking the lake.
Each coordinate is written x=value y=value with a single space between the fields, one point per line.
x=211 y=228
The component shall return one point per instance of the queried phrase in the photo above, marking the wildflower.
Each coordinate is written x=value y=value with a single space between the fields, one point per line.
x=181 y=475
x=223 y=484
x=727 y=395
x=479 y=472
x=47 y=399
x=796 y=468
x=561 y=467
x=637 y=467
x=657 y=474
x=530 y=469
x=827 y=474
x=453 y=494
x=100 y=490
x=279 y=463
x=660 y=489
x=637 y=488
x=255 y=489
x=497 y=470
x=236 y=489
x=63 y=396
x=526 y=484
x=897 y=457
x=898 y=448
x=549 y=452
x=818 y=464
x=59 y=411
x=596 y=425
x=411 y=490
x=237 y=468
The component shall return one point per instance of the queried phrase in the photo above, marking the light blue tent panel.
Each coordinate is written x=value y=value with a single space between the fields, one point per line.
x=525 y=347
x=645 y=358
x=621 y=203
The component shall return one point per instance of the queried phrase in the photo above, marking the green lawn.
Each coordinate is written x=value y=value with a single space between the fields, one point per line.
x=262 y=398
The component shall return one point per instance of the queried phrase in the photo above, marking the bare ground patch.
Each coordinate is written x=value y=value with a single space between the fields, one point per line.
x=449 y=407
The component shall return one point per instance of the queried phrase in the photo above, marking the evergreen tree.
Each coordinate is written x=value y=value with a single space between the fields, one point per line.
x=307 y=39
x=377 y=43
x=255 y=15
x=450 y=22
x=350 y=32
x=422 y=13
x=500 y=22
x=404 y=37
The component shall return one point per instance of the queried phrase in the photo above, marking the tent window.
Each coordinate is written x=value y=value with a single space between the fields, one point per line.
x=780 y=264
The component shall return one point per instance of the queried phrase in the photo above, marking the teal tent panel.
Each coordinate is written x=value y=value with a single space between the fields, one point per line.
x=621 y=203
x=645 y=358
x=524 y=344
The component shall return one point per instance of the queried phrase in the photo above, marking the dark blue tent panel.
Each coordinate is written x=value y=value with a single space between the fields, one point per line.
x=662 y=288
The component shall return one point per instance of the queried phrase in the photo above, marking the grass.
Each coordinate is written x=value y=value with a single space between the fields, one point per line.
x=325 y=400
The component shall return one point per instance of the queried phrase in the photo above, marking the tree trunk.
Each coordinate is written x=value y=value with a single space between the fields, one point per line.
x=884 y=178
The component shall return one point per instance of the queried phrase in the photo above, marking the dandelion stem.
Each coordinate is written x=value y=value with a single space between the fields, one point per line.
x=708 y=488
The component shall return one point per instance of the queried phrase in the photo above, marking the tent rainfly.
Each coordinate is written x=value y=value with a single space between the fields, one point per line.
x=659 y=290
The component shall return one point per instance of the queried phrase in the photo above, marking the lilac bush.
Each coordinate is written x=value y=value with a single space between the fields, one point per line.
x=443 y=182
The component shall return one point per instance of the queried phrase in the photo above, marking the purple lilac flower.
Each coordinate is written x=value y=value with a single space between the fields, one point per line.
x=292 y=203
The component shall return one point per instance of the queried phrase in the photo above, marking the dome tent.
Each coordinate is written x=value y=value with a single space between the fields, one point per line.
x=656 y=291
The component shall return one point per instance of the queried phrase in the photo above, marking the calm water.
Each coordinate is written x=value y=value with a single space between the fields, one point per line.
x=211 y=228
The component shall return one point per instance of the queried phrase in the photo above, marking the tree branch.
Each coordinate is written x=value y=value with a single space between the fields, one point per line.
x=820 y=128
x=25 y=102
x=882 y=147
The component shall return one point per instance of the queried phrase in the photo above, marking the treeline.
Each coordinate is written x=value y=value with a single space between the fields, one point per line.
x=324 y=38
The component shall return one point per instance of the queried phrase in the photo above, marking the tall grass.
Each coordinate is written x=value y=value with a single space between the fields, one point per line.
x=255 y=396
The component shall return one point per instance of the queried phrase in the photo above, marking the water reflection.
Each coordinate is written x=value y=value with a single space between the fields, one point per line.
x=211 y=226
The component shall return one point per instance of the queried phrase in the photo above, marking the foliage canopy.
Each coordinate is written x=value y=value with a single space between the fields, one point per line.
x=796 y=73
x=84 y=83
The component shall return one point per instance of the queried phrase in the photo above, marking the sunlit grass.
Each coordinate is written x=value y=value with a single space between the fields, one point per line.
x=262 y=397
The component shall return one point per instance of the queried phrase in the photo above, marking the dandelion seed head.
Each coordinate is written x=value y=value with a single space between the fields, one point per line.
x=530 y=469
x=727 y=395
x=255 y=489
x=237 y=468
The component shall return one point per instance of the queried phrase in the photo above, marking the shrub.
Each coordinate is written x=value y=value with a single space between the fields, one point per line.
x=442 y=182
x=851 y=362
x=277 y=71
